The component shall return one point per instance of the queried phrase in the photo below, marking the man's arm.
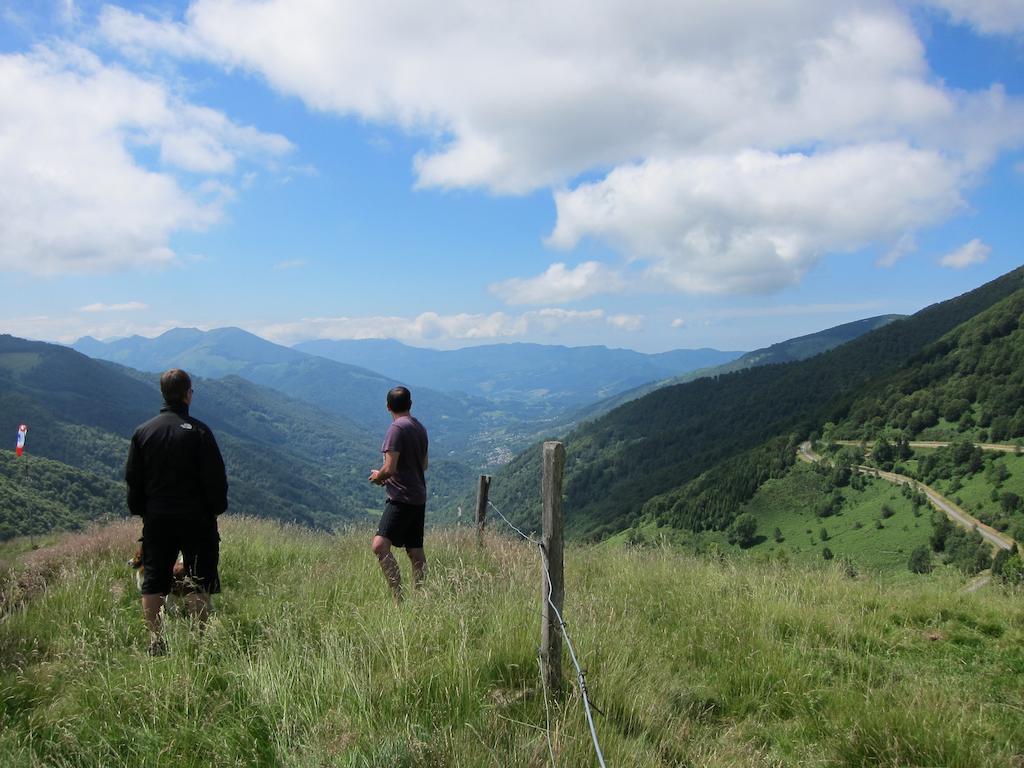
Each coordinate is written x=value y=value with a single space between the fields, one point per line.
x=387 y=469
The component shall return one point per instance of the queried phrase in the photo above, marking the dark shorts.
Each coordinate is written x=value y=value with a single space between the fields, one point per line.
x=164 y=536
x=402 y=524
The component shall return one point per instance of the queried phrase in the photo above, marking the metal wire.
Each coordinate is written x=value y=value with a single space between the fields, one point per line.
x=509 y=524
x=581 y=676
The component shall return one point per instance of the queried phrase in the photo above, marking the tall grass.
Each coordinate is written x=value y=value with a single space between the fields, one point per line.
x=692 y=662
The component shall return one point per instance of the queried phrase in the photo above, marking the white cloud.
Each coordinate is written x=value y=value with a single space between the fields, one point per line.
x=988 y=16
x=655 y=100
x=905 y=245
x=559 y=284
x=430 y=326
x=129 y=306
x=974 y=252
x=678 y=323
x=626 y=322
x=555 y=90
x=65 y=329
x=75 y=198
x=290 y=264
x=757 y=220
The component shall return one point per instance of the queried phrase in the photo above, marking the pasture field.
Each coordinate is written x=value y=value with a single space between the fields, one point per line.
x=693 y=661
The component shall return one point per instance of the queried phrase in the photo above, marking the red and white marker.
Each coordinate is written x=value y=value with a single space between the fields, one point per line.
x=22 y=431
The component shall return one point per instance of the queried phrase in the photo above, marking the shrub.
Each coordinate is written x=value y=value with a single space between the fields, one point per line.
x=920 y=560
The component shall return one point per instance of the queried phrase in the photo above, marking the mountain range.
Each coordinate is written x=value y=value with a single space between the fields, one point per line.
x=559 y=378
x=463 y=426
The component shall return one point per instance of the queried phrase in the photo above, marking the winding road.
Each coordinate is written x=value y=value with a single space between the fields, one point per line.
x=999 y=447
x=940 y=502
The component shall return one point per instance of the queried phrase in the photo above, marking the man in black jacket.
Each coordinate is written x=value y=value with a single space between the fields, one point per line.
x=177 y=484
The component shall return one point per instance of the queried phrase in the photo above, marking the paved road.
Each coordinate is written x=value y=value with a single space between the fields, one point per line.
x=940 y=502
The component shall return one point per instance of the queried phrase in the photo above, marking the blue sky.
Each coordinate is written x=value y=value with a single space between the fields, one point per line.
x=652 y=176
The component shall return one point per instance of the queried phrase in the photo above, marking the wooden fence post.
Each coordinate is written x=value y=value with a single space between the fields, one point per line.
x=482 y=491
x=550 y=628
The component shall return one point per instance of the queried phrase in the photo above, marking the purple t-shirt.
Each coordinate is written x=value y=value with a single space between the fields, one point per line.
x=407 y=436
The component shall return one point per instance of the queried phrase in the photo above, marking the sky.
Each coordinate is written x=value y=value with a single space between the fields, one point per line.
x=650 y=175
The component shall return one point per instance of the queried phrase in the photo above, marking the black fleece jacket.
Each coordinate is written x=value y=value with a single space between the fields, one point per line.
x=175 y=467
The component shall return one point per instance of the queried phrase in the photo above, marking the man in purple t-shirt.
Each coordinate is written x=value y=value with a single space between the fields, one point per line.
x=402 y=475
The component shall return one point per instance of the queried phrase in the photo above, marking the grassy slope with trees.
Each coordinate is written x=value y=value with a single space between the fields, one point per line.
x=691 y=660
x=640 y=457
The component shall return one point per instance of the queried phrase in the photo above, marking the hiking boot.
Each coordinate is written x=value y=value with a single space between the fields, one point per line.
x=157 y=647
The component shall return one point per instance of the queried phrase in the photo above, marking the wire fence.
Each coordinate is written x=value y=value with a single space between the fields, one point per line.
x=580 y=674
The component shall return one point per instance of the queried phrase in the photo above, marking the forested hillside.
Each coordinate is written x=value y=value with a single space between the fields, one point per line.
x=655 y=445
x=286 y=459
x=38 y=495
x=790 y=350
x=968 y=385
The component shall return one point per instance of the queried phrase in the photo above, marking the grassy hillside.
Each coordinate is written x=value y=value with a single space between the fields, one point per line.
x=693 y=662
x=988 y=485
x=872 y=525
x=661 y=442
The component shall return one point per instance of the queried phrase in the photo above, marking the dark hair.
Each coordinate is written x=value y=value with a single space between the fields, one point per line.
x=399 y=400
x=175 y=385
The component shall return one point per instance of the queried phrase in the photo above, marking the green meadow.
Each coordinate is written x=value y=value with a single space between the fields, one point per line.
x=692 y=661
x=874 y=527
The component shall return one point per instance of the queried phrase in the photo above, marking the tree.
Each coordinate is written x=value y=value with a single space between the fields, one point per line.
x=841 y=476
x=1000 y=560
x=827 y=553
x=941 y=529
x=883 y=453
x=920 y=560
x=777 y=534
x=743 y=530
x=823 y=534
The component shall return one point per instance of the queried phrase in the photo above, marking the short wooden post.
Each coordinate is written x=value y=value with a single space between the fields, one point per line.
x=482 y=491
x=553 y=593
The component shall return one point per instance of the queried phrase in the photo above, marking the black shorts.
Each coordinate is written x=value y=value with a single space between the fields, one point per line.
x=164 y=536
x=402 y=524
